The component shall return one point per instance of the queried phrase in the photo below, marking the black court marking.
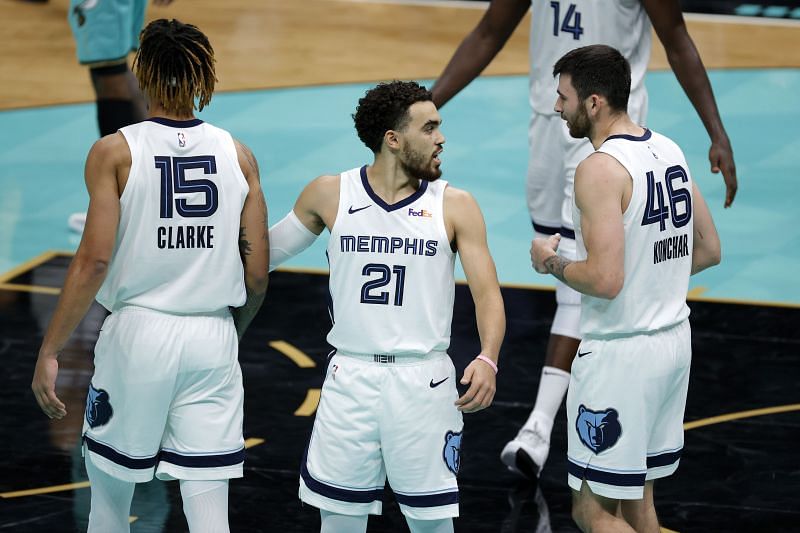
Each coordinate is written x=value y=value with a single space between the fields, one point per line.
x=734 y=476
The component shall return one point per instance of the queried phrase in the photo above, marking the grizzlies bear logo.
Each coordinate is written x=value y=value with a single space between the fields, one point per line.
x=98 y=408
x=452 y=451
x=598 y=430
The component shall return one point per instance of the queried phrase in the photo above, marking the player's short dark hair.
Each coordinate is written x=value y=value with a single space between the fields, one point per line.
x=598 y=69
x=175 y=66
x=384 y=108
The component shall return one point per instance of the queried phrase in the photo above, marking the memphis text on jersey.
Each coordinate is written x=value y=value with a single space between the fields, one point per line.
x=179 y=237
x=387 y=245
x=671 y=248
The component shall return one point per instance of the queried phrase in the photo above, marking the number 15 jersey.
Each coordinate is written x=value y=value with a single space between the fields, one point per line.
x=177 y=248
x=391 y=270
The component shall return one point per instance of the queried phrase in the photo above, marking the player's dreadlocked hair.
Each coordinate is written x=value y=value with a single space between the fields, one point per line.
x=384 y=108
x=175 y=66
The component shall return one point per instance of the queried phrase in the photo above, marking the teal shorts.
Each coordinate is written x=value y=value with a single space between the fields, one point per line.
x=106 y=30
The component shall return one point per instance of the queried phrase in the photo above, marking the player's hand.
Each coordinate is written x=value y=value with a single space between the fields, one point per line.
x=44 y=387
x=721 y=157
x=542 y=249
x=482 y=386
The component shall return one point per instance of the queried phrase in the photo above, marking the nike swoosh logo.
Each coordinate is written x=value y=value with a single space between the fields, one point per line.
x=437 y=383
x=351 y=210
x=581 y=354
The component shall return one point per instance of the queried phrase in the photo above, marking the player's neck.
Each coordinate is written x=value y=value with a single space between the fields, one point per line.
x=156 y=110
x=619 y=124
x=389 y=180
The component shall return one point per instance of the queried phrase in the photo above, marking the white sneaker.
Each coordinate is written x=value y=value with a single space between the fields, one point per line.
x=76 y=222
x=527 y=453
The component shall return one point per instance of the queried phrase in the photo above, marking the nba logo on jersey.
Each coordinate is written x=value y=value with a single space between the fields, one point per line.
x=181 y=139
x=452 y=451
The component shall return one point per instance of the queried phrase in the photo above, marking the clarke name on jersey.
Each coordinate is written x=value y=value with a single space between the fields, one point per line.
x=172 y=237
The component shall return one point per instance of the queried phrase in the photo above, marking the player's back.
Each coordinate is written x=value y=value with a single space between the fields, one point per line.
x=558 y=27
x=391 y=271
x=658 y=240
x=177 y=244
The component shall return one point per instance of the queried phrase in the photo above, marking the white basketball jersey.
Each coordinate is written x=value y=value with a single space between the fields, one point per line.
x=658 y=240
x=177 y=246
x=560 y=26
x=391 y=271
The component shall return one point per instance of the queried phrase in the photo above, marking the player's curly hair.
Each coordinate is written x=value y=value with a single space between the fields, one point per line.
x=384 y=108
x=175 y=66
x=598 y=69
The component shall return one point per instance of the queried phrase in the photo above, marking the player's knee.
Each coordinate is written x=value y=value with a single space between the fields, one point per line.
x=581 y=514
x=567 y=319
x=444 y=525
x=205 y=505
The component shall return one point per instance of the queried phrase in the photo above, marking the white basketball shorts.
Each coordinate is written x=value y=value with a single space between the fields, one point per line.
x=385 y=415
x=625 y=408
x=552 y=159
x=166 y=397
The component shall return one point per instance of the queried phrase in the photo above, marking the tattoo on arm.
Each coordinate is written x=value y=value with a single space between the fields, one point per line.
x=555 y=265
x=251 y=159
x=244 y=245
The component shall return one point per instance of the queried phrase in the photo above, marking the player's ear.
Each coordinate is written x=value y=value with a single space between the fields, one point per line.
x=391 y=139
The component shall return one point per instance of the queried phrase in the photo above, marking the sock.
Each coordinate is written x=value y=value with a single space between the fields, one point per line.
x=113 y=114
x=552 y=388
x=444 y=525
x=111 y=501
x=205 y=504
x=342 y=523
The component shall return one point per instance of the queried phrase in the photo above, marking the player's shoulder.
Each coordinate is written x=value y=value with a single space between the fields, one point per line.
x=599 y=164
x=454 y=194
x=112 y=148
x=322 y=189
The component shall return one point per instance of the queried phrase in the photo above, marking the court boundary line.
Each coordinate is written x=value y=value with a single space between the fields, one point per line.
x=692 y=16
x=46 y=256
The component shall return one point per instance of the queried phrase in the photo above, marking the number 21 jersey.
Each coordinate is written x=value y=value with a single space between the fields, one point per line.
x=391 y=270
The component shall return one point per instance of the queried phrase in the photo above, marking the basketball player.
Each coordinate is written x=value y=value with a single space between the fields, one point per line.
x=176 y=244
x=105 y=33
x=556 y=28
x=389 y=404
x=642 y=228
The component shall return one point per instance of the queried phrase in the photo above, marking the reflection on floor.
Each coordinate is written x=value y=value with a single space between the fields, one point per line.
x=739 y=475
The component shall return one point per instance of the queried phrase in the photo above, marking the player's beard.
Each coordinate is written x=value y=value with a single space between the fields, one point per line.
x=579 y=124
x=419 y=165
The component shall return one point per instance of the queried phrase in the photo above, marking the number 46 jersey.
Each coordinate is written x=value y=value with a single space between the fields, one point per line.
x=177 y=248
x=658 y=240
x=391 y=270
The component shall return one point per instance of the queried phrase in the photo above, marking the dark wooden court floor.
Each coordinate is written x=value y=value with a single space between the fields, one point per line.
x=736 y=475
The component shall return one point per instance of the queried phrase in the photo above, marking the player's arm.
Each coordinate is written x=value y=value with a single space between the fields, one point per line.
x=253 y=242
x=706 y=251
x=88 y=268
x=600 y=182
x=685 y=61
x=314 y=210
x=469 y=233
x=478 y=48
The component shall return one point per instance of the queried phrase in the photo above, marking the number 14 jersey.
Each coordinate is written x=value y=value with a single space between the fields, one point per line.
x=391 y=270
